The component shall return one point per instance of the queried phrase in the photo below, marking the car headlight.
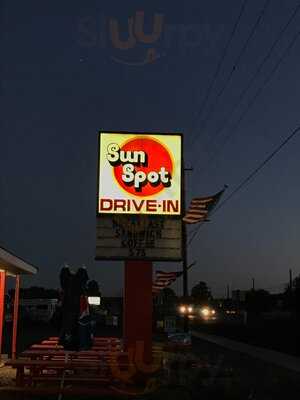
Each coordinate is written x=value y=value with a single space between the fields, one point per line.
x=205 y=312
x=182 y=309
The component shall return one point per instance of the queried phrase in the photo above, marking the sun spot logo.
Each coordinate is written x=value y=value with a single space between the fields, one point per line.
x=142 y=167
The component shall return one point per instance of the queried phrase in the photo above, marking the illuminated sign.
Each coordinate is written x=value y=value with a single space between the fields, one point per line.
x=94 y=300
x=139 y=174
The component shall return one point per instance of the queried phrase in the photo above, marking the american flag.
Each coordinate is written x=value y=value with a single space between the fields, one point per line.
x=200 y=208
x=164 y=279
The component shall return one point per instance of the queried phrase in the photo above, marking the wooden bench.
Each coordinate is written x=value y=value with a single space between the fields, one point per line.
x=97 y=338
x=90 y=354
x=106 y=359
x=44 y=370
x=83 y=390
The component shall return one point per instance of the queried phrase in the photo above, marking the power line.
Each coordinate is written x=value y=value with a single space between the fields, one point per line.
x=235 y=64
x=243 y=93
x=251 y=176
x=255 y=172
x=250 y=104
x=221 y=60
x=258 y=70
x=254 y=98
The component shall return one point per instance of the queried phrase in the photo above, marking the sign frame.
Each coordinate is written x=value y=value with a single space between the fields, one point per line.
x=151 y=216
x=181 y=191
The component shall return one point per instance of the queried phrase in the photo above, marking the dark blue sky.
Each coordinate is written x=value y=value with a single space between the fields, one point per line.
x=62 y=80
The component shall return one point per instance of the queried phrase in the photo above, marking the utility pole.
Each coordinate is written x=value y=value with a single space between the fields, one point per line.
x=184 y=248
x=227 y=292
x=291 y=280
x=253 y=284
x=184 y=240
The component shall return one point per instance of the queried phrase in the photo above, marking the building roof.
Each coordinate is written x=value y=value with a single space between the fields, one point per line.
x=14 y=265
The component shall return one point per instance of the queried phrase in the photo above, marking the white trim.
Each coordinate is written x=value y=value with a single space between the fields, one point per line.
x=15 y=265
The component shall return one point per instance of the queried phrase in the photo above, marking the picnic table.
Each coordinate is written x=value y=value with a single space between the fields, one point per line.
x=46 y=368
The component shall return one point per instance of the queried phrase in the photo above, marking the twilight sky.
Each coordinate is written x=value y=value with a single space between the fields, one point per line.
x=63 y=79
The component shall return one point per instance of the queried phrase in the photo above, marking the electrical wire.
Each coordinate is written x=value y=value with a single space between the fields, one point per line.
x=258 y=70
x=250 y=177
x=221 y=60
x=253 y=100
x=235 y=64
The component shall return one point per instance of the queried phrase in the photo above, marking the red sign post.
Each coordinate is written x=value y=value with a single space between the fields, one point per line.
x=138 y=306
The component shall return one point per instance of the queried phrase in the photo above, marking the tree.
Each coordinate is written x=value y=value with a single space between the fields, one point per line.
x=93 y=288
x=296 y=294
x=169 y=295
x=201 y=293
x=258 y=301
x=292 y=295
x=296 y=285
x=36 y=292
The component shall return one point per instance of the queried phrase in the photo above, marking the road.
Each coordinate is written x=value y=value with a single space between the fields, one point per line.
x=243 y=376
x=280 y=335
x=269 y=356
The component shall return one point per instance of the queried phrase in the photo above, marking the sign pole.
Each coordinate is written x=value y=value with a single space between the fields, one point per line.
x=185 y=273
x=138 y=306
